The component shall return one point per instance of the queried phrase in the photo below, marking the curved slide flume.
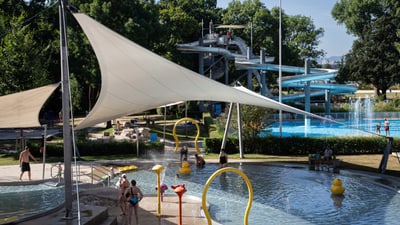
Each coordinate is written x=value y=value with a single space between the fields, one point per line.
x=316 y=78
x=205 y=47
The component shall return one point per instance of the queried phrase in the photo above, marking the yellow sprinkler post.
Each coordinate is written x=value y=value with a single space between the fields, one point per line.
x=158 y=169
x=195 y=139
x=210 y=180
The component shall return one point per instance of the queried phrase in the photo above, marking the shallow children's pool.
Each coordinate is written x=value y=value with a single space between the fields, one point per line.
x=284 y=195
x=19 y=201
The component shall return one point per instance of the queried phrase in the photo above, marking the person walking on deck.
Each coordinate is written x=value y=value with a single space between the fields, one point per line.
x=24 y=157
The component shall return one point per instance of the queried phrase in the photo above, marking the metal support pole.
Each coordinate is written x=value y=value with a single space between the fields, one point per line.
x=228 y=121
x=385 y=156
x=280 y=66
x=44 y=150
x=249 y=72
x=262 y=73
x=201 y=71
x=165 y=121
x=137 y=141
x=239 y=118
x=327 y=102
x=307 y=98
x=66 y=110
x=226 y=70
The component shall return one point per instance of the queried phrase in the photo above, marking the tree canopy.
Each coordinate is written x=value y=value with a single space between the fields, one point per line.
x=300 y=37
x=374 y=57
x=29 y=55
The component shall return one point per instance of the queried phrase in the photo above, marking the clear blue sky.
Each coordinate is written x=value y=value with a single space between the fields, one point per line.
x=336 y=42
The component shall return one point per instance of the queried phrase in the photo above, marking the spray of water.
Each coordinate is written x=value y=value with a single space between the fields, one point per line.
x=362 y=113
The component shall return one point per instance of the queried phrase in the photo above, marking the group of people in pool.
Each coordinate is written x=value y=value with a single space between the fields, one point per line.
x=385 y=127
x=199 y=160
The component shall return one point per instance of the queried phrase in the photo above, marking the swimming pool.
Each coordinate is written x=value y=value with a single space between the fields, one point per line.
x=20 y=201
x=319 y=128
x=284 y=195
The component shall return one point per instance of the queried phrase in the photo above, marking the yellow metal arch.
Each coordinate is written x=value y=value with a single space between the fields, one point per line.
x=196 y=138
x=209 y=181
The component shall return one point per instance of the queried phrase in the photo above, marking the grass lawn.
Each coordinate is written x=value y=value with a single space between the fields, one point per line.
x=7 y=160
x=369 y=163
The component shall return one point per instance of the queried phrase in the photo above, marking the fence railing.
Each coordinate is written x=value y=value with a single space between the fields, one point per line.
x=340 y=116
x=92 y=173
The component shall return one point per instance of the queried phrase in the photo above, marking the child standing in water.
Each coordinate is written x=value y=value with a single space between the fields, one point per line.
x=223 y=158
x=378 y=128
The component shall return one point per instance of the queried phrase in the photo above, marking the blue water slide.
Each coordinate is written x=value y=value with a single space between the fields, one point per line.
x=215 y=50
x=299 y=96
x=245 y=65
x=316 y=77
x=209 y=46
x=337 y=88
x=286 y=81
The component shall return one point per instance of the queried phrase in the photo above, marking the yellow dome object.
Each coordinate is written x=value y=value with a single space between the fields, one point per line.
x=123 y=169
x=185 y=164
x=337 y=182
x=185 y=169
x=337 y=188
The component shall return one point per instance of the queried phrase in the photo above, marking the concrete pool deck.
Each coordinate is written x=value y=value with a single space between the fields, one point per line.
x=93 y=197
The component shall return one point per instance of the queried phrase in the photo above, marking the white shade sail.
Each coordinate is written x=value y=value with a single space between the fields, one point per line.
x=135 y=79
x=21 y=110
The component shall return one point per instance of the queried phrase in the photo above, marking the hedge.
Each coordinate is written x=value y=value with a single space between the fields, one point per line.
x=272 y=145
x=98 y=148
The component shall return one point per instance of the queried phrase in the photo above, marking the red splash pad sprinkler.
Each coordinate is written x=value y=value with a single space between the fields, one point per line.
x=179 y=189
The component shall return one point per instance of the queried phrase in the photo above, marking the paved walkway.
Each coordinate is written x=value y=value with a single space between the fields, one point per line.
x=106 y=197
x=148 y=209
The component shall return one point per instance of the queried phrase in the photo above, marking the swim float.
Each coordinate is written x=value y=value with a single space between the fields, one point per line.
x=123 y=169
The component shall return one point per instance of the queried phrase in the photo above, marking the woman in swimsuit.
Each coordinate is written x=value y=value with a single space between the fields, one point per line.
x=223 y=159
x=123 y=185
x=133 y=195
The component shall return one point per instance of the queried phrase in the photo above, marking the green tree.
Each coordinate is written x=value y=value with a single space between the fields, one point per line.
x=185 y=21
x=252 y=118
x=23 y=57
x=374 y=58
x=300 y=37
x=135 y=20
x=257 y=20
x=303 y=37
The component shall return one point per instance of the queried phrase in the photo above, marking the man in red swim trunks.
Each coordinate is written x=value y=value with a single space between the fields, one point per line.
x=386 y=127
x=24 y=162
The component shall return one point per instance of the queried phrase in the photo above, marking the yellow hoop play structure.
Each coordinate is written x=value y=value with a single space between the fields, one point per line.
x=196 y=138
x=209 y=181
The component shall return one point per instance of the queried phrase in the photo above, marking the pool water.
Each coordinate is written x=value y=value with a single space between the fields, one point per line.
x=28 y=200
x=321 y=129
x=283 y=195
